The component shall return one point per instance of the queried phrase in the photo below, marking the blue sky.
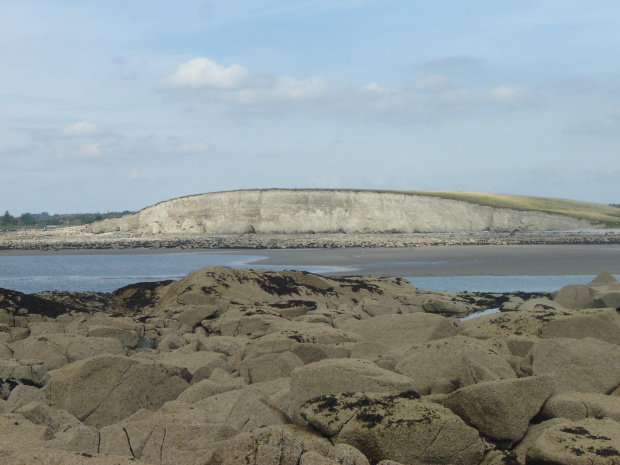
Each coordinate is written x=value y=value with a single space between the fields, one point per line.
x=116 y=105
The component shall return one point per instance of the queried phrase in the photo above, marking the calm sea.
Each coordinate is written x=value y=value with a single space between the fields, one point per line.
x=108 y=272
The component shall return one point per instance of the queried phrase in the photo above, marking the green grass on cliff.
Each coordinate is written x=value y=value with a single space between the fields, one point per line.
x=605 y=214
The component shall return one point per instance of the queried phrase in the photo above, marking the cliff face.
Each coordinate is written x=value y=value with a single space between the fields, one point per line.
x=282 y=211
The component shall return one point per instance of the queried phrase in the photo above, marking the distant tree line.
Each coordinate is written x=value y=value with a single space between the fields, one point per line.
x=614 y=205
x=45 y=220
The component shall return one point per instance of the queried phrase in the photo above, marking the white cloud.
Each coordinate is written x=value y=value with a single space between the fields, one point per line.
x=432 y=97
x=202 y=72
x=235 y=85
x=82 y=128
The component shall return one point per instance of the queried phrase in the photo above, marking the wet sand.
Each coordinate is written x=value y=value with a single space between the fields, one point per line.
x=470 y=260
x=454 y=260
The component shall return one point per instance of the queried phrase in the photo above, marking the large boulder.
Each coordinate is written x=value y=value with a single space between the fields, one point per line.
x=252 y=322
x=269 y=367
x=19 y=371
x=402 y=330
x=603 y=291
x=448 y=364
x=547 y=323
x=192 y=315
x=607 y=295
x=579 y=405
x=309 y=342
x=603 y=278
x=220 y=344
x=42 y=414
x=57 y=350
x=18 y=433
x=203 y=389
x=588 y=441
x=332 y=376
x=501 y=409
x=517 y=454
x=22 y=395
x=242 y=409
x=129 y=338
x=200 y=364
x=163 y=439
x=105 y=389
x=398 y=427
x=583 y=365
x=285 y=445
x=287 y=293
x=574 y=296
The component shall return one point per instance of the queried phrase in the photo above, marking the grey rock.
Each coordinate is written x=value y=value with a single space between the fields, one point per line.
x=332 y=376
x=402 y=330
x=576 y=443
x=583 y=365
x=579 y=405
x=23 y=395
x=269 y=367
x=285 y=445
x=398 y=427
x=458 y=361
x=501 y=409
x=546 y=323
x=103 y=390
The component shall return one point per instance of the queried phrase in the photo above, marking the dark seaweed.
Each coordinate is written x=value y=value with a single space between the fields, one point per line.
x=278 y=285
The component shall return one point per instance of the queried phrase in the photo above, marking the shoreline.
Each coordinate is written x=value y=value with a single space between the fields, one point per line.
x=72 y=240
x=411 y=255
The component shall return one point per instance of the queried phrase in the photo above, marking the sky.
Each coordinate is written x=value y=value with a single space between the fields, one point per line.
x=113 y=105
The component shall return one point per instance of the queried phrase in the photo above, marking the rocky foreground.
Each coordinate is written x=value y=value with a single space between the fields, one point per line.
x=261 y=367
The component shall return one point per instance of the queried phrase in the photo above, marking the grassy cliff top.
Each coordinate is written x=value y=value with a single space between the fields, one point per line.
x=606 y=214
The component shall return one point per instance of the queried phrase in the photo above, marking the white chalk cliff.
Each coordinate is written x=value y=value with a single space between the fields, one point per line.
x=297 y=211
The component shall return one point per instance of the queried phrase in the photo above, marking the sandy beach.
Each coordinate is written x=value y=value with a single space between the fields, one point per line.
x=454 y=260
x=471 y=260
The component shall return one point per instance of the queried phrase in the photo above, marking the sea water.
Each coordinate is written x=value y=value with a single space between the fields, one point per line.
x=108 y=272
x=499 y=283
